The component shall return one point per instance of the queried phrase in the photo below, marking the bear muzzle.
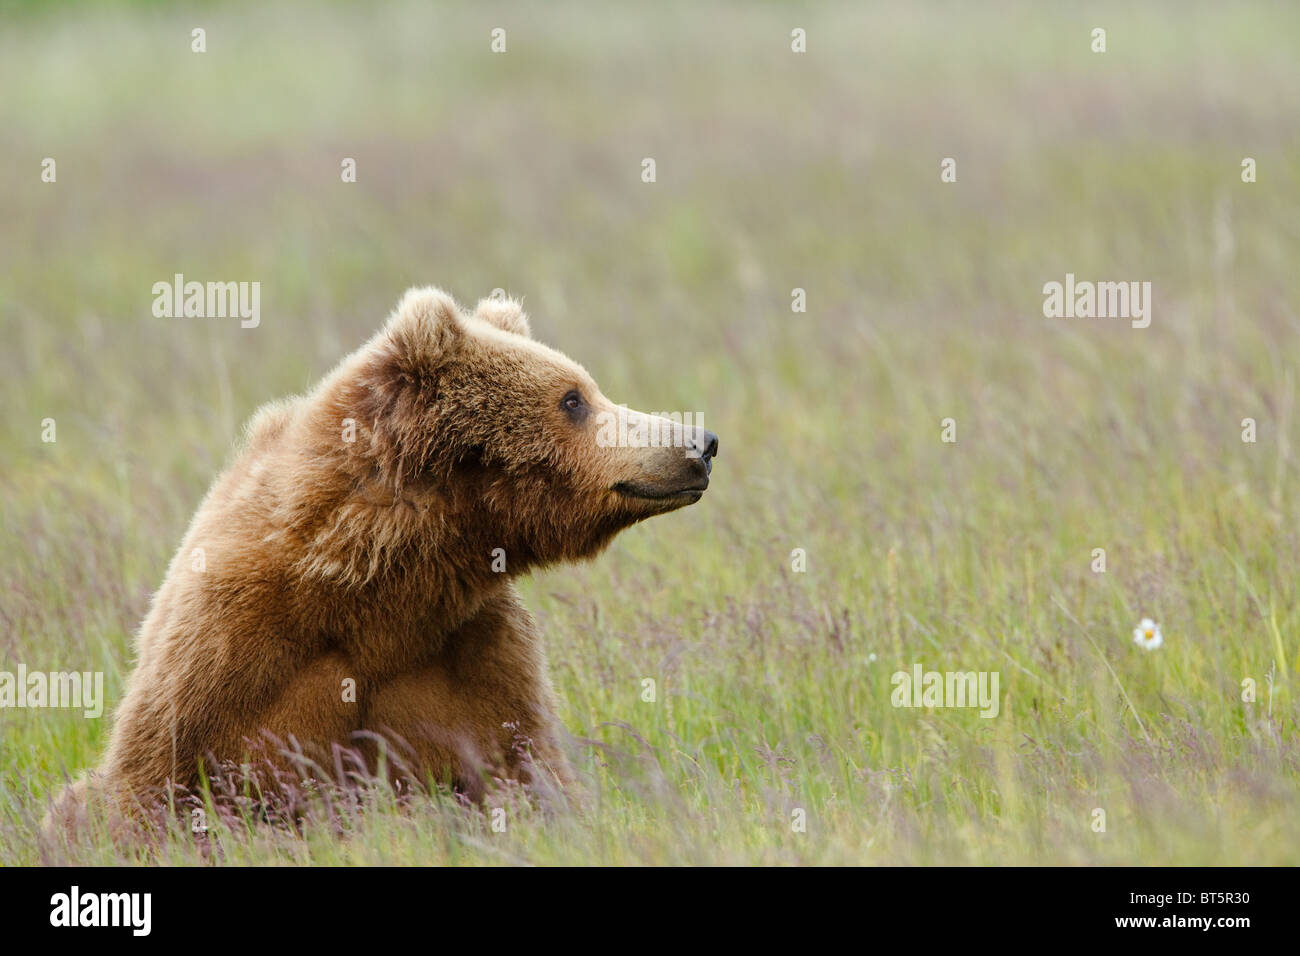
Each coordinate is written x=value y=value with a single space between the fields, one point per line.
x=688 y=485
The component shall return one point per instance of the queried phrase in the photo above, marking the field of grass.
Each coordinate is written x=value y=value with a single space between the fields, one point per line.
x=774 y=171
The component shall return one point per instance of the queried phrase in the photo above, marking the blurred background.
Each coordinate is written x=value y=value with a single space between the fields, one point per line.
x=774 y=171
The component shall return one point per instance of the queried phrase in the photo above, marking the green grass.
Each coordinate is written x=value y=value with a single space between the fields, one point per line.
x=775 y=171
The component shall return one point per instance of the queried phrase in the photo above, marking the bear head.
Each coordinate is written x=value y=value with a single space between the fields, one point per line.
x=508 y=443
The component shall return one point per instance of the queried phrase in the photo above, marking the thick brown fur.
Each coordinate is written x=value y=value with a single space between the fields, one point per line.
x=353 y=538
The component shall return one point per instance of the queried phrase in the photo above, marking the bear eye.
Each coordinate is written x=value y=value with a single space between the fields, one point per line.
x=572 y=401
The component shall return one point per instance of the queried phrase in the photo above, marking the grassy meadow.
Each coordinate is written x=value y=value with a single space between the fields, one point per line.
x=774 y=171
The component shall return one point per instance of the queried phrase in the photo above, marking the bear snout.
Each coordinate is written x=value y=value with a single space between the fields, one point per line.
x=703 y=448
x=674 y=476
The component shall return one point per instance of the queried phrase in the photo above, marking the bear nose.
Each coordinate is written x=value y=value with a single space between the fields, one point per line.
x=704 y=446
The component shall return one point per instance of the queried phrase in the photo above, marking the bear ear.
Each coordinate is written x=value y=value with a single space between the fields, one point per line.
x=425 y=330
x=504 y=314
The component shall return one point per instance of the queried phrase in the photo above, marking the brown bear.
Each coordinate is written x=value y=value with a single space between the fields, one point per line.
x=348 y=578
